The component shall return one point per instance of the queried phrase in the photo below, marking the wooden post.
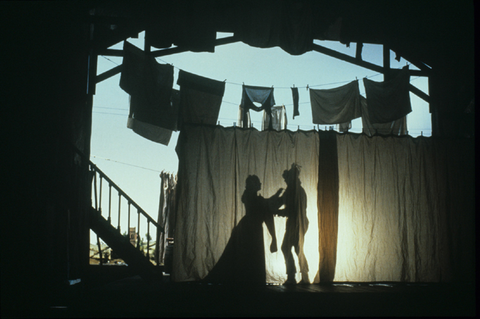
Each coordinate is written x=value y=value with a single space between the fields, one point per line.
x=386 y=63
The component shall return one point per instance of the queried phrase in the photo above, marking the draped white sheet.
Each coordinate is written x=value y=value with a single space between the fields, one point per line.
x=405 y=212
x=214 y=164
x=405 y=209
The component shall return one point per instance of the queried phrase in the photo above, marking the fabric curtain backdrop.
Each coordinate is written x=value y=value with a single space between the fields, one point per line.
x=406 y=209
x=214 y=163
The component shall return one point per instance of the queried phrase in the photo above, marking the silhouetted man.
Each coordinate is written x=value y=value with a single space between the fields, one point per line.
x=295 y=200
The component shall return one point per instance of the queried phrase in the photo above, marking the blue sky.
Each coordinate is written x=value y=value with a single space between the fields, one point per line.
x=134 y=163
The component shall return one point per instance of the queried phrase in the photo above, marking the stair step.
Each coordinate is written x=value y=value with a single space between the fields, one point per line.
x=122 y=246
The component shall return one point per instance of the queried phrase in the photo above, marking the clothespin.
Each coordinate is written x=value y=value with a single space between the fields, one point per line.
x=307 y=87
x=225 y=80
x=356 y=79
x=293 y=85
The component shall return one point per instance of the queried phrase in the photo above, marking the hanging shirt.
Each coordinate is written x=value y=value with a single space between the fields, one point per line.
x=388 y=100
x=278 y=117
x=336 y=106
x=251 y=94
x=200 y=98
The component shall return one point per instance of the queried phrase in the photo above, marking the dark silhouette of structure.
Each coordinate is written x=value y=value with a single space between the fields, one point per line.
x=52 y=48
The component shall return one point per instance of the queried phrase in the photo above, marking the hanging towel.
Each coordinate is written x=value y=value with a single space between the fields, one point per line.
x=397 y=127
x=251 y=94
x=336 y=106
x=278 y=118
x=150 y=87
x=389 y=100
x=200 y=98
x=295 y=102
x=152 y=132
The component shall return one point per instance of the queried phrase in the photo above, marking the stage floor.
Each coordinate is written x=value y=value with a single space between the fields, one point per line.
x=133 y=297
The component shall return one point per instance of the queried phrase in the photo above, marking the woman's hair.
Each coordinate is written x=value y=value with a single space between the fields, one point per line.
x=252 y=181
x=292 y=173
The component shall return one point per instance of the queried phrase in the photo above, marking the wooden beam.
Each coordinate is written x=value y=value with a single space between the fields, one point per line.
x=358 y=51
x=419 y=93
x=107 y=74
x=347 y=58
x=362 y=63
x=110 y=52
x=386 y=63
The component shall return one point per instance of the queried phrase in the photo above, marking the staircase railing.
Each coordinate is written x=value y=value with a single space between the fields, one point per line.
x=97 y=191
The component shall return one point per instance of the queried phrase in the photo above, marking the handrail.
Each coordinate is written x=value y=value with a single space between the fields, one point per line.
x=98 y=203
x=120 y=191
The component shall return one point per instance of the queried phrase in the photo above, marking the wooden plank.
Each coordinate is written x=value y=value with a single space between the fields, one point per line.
x=419 y=93
x=358 y=51
x=107 y=74
x=111 y=52
x=386 y=63
x=364 y=64
x=347 y=58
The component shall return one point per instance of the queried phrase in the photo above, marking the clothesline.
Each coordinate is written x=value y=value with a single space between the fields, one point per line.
x=280 y=87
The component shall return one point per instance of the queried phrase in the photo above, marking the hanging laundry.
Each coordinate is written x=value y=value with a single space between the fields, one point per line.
x=152 y=132
x=200 y=98
x=389 y=100
x=278 y=117
x=397 y=127
x=257 y=94
x=150 y=87
x=295 y=102
x=336 y=106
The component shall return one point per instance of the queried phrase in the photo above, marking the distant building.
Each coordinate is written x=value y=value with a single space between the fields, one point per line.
x=132 y=235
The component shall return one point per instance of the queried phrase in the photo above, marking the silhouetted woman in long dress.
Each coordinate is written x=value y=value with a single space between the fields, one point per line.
x=243 y=260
